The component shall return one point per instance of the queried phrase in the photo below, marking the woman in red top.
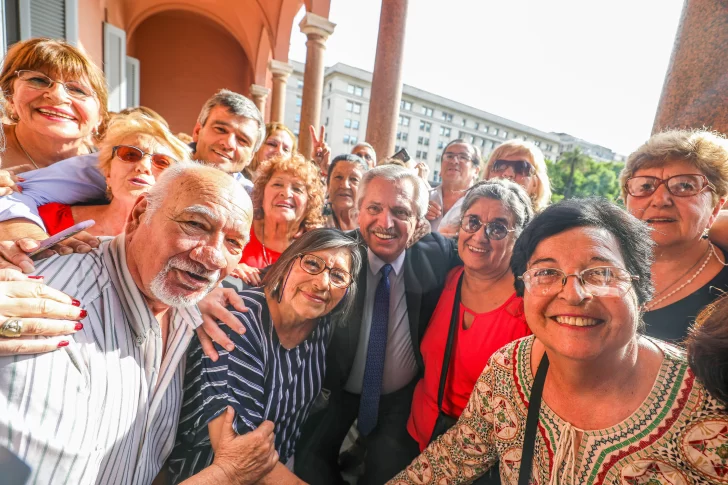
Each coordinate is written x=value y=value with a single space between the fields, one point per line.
x=491 y=315
x=134 y=151
x=288 y=200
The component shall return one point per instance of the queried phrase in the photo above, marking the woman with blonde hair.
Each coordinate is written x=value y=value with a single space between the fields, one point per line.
x=133 y=153
x=523 y=163
x=279 y=141
x=55 y=98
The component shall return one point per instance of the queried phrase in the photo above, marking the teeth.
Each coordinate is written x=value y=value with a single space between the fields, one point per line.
x=381 y=235
x=475 y=250
x=56 y=113
x=577 y=321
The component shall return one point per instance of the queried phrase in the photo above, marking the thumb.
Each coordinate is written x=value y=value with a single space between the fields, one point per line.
x=227 y=433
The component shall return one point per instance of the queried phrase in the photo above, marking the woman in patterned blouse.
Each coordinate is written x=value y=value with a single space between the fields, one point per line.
x=617 y=407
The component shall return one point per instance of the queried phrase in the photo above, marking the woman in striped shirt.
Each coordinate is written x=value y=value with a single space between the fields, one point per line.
x=277 y=367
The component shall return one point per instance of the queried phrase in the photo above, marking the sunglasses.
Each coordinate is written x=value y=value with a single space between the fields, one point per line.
x=520 y=167
x=495 y=231
x=38 y=80
x=684 y=185
x=132 y=154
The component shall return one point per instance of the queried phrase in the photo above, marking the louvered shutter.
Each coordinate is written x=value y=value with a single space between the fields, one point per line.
x=132 y=82
x=57 y=19
x=115 y=66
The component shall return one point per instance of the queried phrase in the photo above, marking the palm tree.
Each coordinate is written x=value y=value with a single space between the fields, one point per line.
x=575 y=160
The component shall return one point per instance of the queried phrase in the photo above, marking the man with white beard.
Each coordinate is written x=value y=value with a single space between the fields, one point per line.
x=104 y=409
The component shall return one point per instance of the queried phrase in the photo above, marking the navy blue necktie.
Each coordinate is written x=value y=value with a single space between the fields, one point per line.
x=371 y=388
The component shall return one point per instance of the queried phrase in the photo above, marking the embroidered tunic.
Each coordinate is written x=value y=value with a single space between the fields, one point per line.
x=679 y=435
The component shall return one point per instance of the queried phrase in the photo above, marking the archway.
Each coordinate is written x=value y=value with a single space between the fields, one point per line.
x=184 y=58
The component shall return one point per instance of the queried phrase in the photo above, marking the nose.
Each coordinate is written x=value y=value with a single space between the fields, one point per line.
x=661 y=197
x=227 y=141
x=573 y=291
x=509 y=173
x=323 y=279
x=346 y=183
x=209 y=256
x=144 y=165
x=57 y=91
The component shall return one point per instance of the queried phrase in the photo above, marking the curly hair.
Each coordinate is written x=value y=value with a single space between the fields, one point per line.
x=306 y=171
x=707 y=348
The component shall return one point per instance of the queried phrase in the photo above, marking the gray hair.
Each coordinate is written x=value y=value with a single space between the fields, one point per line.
x=238 y=105
x=513 y=197
x=348 y=157
x=166 y=183
x=395 y=173
x=311 y=242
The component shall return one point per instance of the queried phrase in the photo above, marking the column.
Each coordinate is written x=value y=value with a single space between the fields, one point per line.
x=280 y=71
x=695 y=93
x=387 y=79
x=259 y=95
x=317 y=30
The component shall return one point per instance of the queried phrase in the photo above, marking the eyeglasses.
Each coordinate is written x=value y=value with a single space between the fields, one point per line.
x=495 y=231
x=132 y=154
x=312 y=264
x=461 y=157
x=520 y=167
x=683 y=185
x=599 y=281
x=38 y=80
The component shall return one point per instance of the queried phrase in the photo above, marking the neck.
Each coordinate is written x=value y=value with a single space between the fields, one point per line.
x=674 y=260
x=290 y=327
x=601 y=376
x=158 y=309
x=110 y=218
x=345 y=218
x=451 y=187
x=276 y=231
x=479 y=281
x=45 y=151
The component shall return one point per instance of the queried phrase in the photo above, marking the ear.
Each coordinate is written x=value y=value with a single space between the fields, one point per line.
x=137 y=214
x=196 y=131
x=716 y=210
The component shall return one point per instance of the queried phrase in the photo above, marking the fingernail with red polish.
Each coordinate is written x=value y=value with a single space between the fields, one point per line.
x=75 y=302
x=78 y=326
x=33 y=277
x=62 y=343
x=83 y=314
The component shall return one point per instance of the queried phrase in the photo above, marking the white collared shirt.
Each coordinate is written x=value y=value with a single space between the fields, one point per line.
x=400 y=364
x=451 y=219
x=105 y=408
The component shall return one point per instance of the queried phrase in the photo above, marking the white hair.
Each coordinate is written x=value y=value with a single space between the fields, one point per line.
x=395 y=173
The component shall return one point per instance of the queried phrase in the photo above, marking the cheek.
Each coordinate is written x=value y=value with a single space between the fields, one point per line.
x=88 y=111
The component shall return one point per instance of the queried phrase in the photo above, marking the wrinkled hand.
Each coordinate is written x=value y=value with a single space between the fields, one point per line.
x=246 y=458
x=422 y=229
x=433 y=211
x=15 y=254
x=250 y=275
x=213 y=309
x=43 y=311
x=423 y=170
x=321 y=152
x=8 y=182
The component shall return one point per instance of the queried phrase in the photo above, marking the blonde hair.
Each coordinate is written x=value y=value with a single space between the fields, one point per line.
x=706 y=150
x=270 y=128
x=302 y=168
x=56 y=59
x=135 y=124
x=533 y=155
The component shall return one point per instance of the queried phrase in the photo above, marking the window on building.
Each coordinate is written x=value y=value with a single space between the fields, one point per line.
x=420 y=139
x=329 y=87
x=299 y=84
x=464 y=122
x=549 y=148
x=299 y=101
x=427 y=142
x=427 y=111
x=425 y=126
x=472 y=139
x=399 y=135
x=346 y=139
x=482 y=142
x=477 y=125
x=354 y=140
x=298 y=117
x=485 y=129
x=435 y=176
x=347 y=123
x=405 y=136
x=405 y=105
x=357 y=107
x=404 y=120
x=295 y=132
x=424 y=155
x=355 y=90
x=441 y=144
x=447 y=116
x=418 y=154
x=495 y=131
x=504 y=134
x=328 y=104
x=537 y=143
x=355 y=124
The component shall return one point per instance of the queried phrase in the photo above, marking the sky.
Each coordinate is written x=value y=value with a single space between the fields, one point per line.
x=593 y=69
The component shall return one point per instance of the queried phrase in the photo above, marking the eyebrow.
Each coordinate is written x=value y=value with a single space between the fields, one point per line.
x=599 y=259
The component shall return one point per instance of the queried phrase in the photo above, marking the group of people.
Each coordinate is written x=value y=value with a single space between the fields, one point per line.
x=469 y=332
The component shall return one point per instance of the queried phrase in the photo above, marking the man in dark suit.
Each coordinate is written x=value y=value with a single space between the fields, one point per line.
x=374 y=360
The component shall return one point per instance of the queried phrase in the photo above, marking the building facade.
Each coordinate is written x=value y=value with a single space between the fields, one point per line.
x=597 y=152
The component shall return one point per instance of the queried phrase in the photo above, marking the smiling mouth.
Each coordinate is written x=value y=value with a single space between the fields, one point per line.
x=577 y=321
x=476 y=250
x=225 y=157
x=312 y=297
x=384 y=235
x=658 y=220
x=138 y=181
x=56 y=114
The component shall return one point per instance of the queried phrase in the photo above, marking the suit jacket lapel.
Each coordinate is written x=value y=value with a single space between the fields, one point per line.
x=413 y=295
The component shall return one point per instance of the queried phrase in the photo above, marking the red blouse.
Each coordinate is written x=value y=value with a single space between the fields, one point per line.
x=471 y=350
x=56 y=217
x=255 y=255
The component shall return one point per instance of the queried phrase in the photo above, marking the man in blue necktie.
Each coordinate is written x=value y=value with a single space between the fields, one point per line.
x=374 y=358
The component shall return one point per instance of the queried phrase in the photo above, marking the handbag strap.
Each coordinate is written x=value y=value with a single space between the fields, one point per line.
x=454 y=318
x=534 y=409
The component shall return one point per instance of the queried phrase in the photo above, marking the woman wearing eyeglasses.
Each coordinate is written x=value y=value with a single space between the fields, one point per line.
x=277 y=368
x=523 y=163
x=132 y=155
x=56 y=99
x=488 y=314
x=677 y=182
x=587 y=399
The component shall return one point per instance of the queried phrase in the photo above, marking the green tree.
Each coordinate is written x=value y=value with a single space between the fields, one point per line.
x=578 y=175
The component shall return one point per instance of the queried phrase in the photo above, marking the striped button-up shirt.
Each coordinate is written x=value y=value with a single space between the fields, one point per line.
x=105 y=408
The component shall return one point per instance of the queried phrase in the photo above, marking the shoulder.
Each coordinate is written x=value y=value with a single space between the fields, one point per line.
x=255 y=320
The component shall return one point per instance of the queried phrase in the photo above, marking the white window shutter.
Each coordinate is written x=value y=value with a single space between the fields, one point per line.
x=132 y=82
x=115 y=66
x=57 y=19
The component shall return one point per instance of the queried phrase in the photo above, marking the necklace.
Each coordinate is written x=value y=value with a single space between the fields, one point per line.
x=712 y=248
x=265 y=253
x=652 y=304
x=15 y=132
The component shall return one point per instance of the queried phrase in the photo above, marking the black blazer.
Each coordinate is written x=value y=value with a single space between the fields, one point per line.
x=426 y=265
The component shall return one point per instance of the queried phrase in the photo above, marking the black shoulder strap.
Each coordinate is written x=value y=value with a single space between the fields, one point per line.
x=534 y=408
x=454 y=318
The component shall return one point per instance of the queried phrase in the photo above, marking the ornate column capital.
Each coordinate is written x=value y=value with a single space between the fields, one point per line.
x=258 y=91
x=316 y=27
x=280 y=69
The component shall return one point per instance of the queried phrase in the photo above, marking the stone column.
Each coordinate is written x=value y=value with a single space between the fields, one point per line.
x=695 y=93
x=280 y=71
x=317 y=30
x=387 y=79
x=259 y=95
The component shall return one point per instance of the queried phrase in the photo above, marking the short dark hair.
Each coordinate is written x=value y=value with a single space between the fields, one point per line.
x=707 y=347
x=347 y=157
x=513 y=197
x=311 y=242
x=633 y=236
x=477 y=158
